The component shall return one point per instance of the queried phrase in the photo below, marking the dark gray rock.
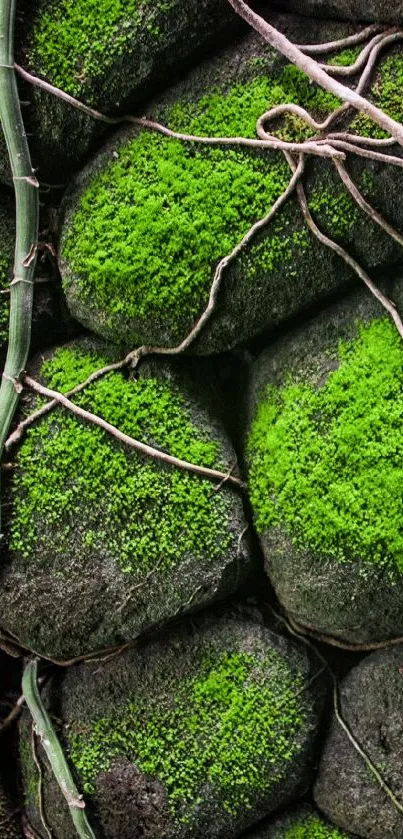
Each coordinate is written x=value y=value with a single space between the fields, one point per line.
x=106 y=543
x=9 y=822
x=144 y=275
x=358 y=10
x=372 y=706
x=318 y=517
x=221 y=720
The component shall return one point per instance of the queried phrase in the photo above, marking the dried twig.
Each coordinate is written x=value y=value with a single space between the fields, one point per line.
x=341 y=43
x=143 y=448
x=313 y=70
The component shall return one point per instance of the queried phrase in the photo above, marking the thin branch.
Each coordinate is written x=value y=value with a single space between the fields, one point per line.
x=363 y=204
x=54 y=751
x=348 y=259
x=312 y=69
x=361 y=60
x=156 y=454
x=342 y=43
x=26 y=236
x=143 y=122
x=337 y=711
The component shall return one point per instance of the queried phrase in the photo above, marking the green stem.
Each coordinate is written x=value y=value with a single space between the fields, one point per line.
x=54 y=751
x=27 y=213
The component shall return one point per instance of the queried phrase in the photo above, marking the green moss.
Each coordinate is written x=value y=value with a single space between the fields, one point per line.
x=78 y=493
x=386 y=94
x=345 y=58
x=29 y=770
x=313 y=827
x=326 y=463
x=152 y=225
x=76 y=41
x=234 y=113
x=234 y=726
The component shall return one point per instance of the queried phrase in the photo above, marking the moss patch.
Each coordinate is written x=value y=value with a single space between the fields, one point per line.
x=326 y=462
x=386 y=94
x=234 y=727
x=77 y=492
x=76 y=41
x=313 y=827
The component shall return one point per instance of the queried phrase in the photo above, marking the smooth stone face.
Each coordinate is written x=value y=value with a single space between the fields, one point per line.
x=325 y=473
x=200 y=733
x=106 y=543
x=358 y=10
x=371 y=699
x=111 y=56
x=146 y=223
x=301 y=823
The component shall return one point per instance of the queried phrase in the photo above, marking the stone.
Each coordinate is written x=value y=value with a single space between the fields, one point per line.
x=324 y=465
x=198 y=733
x=371 y=703
x=147 y=221
x=371 y=11
x=301 y=823
x=111 y=56
x=9 y=823
x=105 y=543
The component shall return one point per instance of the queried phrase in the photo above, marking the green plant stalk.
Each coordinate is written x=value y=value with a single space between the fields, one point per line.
x=27 y=213
x=54 y=751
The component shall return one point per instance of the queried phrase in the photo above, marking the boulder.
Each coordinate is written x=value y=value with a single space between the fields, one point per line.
x=199 y=733
x=377 y=11
x=325 y=469
x=111 y=56
x=302 y=823
x=371 y=703
x=104 y=542
x=147 y=221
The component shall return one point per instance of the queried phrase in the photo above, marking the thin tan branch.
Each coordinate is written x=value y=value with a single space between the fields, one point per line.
x=143 y=122
x=361 y=60
x=342 y=43
x=143 y=448
x=312 y=69
x=365 y=206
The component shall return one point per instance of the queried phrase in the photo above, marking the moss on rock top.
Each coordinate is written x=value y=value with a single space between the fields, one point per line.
x=304 y=823
x=326 y=461
x=87 y=508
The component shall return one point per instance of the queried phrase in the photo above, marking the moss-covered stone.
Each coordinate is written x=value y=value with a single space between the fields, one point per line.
x=303 y=823
x=148 y=220
x=371 y=703
x=110 y=54
x=103 y=542
x=325 y=470
x=215 y=725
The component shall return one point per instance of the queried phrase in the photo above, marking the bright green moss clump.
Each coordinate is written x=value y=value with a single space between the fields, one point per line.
x=152 y=225
x=76 y=41
x=235 y=727
x=326 y=463
x=312 y=827
x=78 y=493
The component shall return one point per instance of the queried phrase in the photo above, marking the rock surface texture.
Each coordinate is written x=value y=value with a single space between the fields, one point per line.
x=302 y=823
x=377 y=11
x=325 y=475
x=147 y=222
x=197 y=734
x=106 y=543
x=372 y=706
